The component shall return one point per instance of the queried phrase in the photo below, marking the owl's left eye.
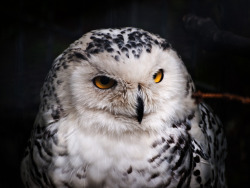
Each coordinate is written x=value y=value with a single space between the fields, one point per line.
x=103 y=82
x=158 y=76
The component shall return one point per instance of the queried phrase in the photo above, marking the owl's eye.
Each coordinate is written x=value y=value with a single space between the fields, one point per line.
x=158 y=76
x=103 y=82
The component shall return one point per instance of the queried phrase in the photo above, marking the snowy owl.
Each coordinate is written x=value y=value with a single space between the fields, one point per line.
x=117 y=111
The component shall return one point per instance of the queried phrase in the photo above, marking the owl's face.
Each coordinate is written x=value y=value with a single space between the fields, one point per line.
x=127 y=80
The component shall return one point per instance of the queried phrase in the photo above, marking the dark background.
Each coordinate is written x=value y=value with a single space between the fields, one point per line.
x=33 y=33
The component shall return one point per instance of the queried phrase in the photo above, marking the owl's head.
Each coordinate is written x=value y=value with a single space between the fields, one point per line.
x=120 y=80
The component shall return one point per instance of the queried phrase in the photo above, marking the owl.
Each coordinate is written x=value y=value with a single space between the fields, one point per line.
x=117 y=111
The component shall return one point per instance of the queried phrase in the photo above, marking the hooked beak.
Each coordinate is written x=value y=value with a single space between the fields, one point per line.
x=139 y=106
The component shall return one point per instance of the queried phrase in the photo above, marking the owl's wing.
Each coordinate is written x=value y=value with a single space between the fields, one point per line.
x=209 y=150
x=42 y=147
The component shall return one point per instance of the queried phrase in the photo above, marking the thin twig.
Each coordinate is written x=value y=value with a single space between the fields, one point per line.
x=213 y=38
x=200 y=95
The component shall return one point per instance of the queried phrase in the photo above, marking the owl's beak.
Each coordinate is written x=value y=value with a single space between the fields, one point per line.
x=139 y=106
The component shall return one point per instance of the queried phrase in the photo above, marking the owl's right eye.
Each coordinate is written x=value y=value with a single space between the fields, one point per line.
x=158 y=76
x=104 y=82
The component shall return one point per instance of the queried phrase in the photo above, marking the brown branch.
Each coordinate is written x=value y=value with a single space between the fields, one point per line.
x=200 y=95
x=213 y=38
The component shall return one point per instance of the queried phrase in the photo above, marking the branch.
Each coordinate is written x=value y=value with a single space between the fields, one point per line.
x=214 y=38
x=199 y=95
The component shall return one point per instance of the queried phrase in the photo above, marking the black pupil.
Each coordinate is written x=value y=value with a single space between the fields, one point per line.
x=104 y=80
x=154 y=75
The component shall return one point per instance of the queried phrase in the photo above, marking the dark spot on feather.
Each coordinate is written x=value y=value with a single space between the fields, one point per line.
x=130 y=170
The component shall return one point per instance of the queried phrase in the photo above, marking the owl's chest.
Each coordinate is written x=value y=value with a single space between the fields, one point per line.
x=144 y=161
x=107 y=153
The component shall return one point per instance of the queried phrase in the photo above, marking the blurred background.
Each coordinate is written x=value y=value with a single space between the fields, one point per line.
x=215 y=51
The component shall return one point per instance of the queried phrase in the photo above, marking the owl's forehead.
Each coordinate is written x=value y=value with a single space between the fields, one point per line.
x=130 y=70
x=128 y=42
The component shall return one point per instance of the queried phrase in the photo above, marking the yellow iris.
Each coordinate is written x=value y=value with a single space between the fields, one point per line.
x=103 y=82
x=158 y=76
